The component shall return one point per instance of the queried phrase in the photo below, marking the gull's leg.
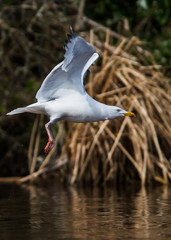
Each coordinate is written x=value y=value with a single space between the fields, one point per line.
x=51 y=140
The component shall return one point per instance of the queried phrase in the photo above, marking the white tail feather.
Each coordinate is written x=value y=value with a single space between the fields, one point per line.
x=37 y=108
x=17 y=111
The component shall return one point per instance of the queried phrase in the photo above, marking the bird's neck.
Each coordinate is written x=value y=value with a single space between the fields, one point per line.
x=108 y=112
x=104 y=111
x=101 y=111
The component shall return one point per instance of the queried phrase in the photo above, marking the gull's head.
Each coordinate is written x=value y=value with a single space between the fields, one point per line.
x=119 y=112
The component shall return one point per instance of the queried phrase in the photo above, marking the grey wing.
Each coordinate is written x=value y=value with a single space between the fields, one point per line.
x=68 y=75
x=76 y=47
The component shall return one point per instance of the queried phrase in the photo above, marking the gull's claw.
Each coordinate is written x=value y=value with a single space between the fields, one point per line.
x=49 y=146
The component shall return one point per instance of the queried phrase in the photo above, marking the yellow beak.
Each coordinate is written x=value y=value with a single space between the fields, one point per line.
x=129 y=114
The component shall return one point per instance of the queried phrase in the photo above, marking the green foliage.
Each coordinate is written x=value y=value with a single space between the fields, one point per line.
x=1 y=109
x=32 y=85
x=150 y=20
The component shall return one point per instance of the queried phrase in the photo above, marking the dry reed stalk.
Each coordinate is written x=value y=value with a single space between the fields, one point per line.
x=101 y=27
x=37 y=141
x=39 y=172
x=105 y=54
x=95 y=139
x=91 y=75
x=75 y=169
x=32 y=142
x=123 y=149
x=79 y=15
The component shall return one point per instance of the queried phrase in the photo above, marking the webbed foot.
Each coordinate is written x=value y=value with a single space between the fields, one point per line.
x=49 y=146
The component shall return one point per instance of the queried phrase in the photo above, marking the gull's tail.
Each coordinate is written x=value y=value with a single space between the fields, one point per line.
x=37 y=108
x=17 y=111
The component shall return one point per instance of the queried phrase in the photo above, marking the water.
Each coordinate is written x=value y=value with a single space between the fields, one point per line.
x=57 y=212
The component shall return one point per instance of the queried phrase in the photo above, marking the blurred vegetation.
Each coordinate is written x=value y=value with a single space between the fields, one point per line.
x=148 y=19
x=32 y=34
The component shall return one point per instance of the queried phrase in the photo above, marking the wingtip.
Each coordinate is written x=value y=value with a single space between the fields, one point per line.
x=70 y=37
x=72 y=32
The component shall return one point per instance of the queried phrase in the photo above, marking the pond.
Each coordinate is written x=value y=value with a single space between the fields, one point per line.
x=54 y=211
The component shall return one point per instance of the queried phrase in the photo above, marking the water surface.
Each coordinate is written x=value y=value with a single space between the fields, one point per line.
x=57 y=212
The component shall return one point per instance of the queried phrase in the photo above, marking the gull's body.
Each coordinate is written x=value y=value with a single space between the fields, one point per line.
x=62 y=95
x=60 y=109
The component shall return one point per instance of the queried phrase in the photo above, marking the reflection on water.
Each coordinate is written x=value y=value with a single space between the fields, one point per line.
x=57 y=212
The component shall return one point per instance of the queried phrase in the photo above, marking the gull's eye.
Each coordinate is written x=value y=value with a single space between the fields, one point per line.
x=118 y=110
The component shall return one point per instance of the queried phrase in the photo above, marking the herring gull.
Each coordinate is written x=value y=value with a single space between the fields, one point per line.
x=62 y=95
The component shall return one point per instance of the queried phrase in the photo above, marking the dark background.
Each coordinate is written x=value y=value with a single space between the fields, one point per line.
x=32 y=34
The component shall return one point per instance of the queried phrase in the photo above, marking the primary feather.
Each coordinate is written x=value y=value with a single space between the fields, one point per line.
x=68 y=75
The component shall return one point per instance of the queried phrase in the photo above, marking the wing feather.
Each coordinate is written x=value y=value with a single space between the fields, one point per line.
x=68 y=75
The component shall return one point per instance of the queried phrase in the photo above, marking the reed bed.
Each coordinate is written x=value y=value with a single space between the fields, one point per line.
x=124 y=149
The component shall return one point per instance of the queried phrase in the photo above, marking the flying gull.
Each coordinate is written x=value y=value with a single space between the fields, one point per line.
x=62 y=95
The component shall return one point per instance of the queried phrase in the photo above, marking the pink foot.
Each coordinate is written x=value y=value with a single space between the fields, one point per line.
x=49 y=146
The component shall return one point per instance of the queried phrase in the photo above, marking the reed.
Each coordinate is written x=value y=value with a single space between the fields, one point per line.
x=121 y=150
x=124 y=149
